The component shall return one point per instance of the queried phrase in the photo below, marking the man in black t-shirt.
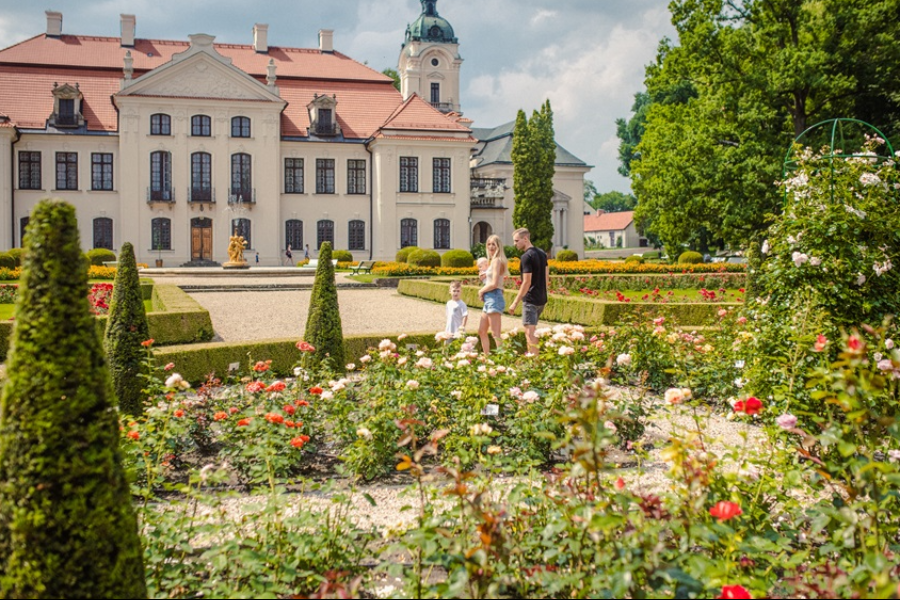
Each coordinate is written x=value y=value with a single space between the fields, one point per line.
x=535 y=282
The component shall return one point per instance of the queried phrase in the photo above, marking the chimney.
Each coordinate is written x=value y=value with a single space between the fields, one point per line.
x=128 y=23
x=326 y=40
x=261 y=38
x=54 y=23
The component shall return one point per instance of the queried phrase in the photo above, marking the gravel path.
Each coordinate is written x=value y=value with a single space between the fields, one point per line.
x=241 y=316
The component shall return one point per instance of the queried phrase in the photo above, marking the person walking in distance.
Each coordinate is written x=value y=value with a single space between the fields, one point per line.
x=288 y=255
x=535 y=282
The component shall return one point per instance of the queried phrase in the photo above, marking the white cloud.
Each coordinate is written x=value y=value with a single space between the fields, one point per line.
x=543 y=15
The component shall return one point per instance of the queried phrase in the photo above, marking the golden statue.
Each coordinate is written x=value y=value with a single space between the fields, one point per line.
x=236 y=250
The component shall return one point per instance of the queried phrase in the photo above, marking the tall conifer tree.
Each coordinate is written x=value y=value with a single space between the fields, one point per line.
x=534 y=164
x=323 y=323
x=67 y=526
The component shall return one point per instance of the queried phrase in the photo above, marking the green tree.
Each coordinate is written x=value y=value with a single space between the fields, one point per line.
x=631 y=131
x=614 y=202
x=393 y=74
x=67 y=526
x=726 y=100
x=590 y=190
x=534 y=164
x=323 y=323
x=126 y=328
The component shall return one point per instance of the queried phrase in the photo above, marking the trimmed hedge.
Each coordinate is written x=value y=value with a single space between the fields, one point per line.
x=673 y=281
x=342 y=256
x=424 y=258
x=583 y=311
x=98 y=256
x=635 y=259
x=403 y=254
x=323 y=321
x=690 y=258
x=195 y=362
x=457 y=259
x=567 y=256
x=7 y=261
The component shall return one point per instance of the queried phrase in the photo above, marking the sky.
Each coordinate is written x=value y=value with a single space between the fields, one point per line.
x=586 y=56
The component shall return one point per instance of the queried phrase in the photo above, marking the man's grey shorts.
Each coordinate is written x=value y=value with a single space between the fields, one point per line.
x=531 y=313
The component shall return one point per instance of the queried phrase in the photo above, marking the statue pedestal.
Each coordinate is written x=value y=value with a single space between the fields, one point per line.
x=236 y=265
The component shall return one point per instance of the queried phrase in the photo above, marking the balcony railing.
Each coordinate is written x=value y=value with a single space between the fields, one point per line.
x=326 y=129
x=486 y=203
x=66 y=120
x=444 y=107
x=242 y=196
x=163 y=195
x=202 y=195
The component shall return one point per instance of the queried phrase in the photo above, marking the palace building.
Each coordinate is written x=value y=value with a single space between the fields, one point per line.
x=172 y=145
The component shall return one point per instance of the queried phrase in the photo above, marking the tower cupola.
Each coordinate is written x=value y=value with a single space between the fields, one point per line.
x=430 y=26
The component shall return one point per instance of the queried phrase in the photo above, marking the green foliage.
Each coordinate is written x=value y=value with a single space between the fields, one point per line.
x=424 y=258
x=630 y=133
x=403 y=253
x=708 y=158
x=126 y=329
x=614 y=202
x=17 y=254
x=323 y=323
x=653 y=254
x=457 y=259
x=7 y=261
x=690 y=258
x=512 y=252
x=635 y=259
x=98 y=256
x=479 y=251
x=393 y=74
x=342 y=256
x=67 y=527
x=567 y=256
x=534 y=164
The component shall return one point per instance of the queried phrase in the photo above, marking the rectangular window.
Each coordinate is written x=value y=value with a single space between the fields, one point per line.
x=441 y=175
x=293 y=176
x=356 y=176
x=29 y=170
x=201 y=126
x=442 y=234
x=101 y=171
x=435 y=93
x=161 y=234
x=67 y=170
x=325 y=230
x=409 y=174
x=324 y=175
x=357 y=238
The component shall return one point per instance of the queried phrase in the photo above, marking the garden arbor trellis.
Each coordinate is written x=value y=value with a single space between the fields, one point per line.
x=837 y=139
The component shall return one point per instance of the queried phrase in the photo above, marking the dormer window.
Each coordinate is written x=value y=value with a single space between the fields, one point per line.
x=322 y=118
x=67 y=101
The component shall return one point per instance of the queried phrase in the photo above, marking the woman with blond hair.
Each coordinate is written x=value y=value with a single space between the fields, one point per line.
x=491 y=294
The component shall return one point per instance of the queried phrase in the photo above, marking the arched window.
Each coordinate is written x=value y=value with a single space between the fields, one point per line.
x=442 y=234
x=409 y=233
x=161 y=233
x=357 y=237
x=103 y=233
x=160 y=124
x=240 y=127
x=241 y=227
x=293 y=234
x=201 y=126
x=161 y=176
x=201 y=177
x=241 y=180
x=325 y=230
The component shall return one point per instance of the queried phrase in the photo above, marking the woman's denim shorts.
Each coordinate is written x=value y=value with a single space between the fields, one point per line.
x=494 y=302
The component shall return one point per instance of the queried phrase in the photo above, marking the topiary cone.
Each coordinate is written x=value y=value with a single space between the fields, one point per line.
x=323 y=323
x=67 y=526
x=126 y=328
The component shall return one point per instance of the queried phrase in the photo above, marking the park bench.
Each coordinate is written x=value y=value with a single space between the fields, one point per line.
x=314 y=263
x=364 y=266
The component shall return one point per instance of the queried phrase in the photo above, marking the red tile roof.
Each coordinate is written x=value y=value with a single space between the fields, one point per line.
x=416 y=114
x=611 y=221
x=425 y=138
x=28 y=70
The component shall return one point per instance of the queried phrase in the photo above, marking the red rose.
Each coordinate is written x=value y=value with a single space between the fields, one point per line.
x=725 y=510
x=301 y=403
x=735 y=591
x=316 y=390
x=274 y=418
x=289 y=409
x=750 y=406
x=262 y=367
x=219 y=416
x=854 y=343
x=147 y=343
x=821 y=342
x=179 y=413
x=278 y=386
x=298 y=442
x=255 y=386
x=233 y=409
x=305 y=346
x=133 y=434
x=244 y=422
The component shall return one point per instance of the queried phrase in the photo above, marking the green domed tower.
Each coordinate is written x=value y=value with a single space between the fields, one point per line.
x=429 y=60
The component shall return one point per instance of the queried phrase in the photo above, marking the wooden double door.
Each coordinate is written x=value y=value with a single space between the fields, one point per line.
x=201 y=239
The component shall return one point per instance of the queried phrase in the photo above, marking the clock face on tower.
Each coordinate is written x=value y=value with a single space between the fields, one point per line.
x=435 y=62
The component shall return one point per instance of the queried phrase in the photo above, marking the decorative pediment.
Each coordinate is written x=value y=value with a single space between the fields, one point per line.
x=560 y=197
x=436 y=75
x=66 y=91
x=323 y=116
x=200 y=72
